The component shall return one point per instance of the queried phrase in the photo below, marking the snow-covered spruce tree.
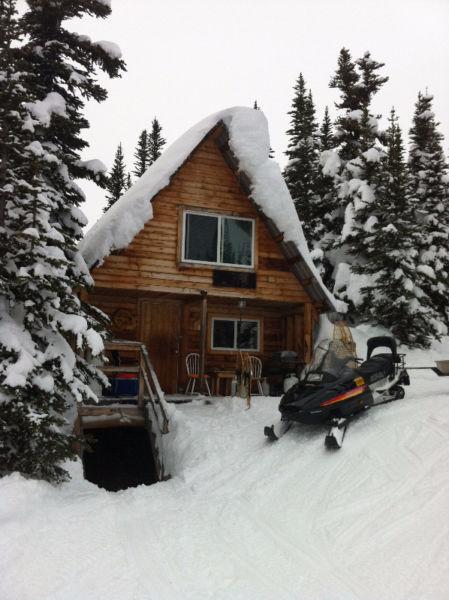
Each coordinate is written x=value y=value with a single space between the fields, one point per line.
x=44 y=326
x=156 y=142
x=344 y=147
x=359 y=156
x=13 y=82
x=117 y=179
x=302 y=168
x=325 y=203
x=16 y=350
x=141 y=154
x=429 y=191
x=326 y=137
x=395 y=297
x=346 y=80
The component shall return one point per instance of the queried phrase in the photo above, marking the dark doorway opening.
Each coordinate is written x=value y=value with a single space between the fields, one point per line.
x=119 y=458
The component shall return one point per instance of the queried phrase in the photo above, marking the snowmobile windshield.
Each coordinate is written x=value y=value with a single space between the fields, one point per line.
x=331 y=360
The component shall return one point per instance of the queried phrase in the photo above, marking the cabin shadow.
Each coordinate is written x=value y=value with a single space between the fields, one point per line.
x=118 y=458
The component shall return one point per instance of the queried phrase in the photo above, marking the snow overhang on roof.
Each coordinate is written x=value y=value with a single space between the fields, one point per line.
x=247 y=147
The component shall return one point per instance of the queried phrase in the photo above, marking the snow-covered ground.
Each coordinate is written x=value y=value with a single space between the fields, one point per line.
x=245 y=519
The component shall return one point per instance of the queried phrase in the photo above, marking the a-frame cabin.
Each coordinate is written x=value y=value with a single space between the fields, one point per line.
x=205 y=254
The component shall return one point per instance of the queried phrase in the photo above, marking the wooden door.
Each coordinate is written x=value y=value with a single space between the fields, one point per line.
x=159 y=330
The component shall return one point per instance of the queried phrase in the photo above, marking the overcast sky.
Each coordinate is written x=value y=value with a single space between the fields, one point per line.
x=187 y=59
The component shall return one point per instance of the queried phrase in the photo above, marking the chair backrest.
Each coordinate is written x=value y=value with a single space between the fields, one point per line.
x=256 y=367
x=193 y=364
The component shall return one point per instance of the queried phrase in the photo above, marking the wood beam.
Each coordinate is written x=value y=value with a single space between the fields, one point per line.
x=308 y=332
x=203 y=337
x=306 y=282
x=279 y=237
x=294 y=259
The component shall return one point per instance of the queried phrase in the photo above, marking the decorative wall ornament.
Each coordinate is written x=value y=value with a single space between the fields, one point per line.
x=124 y=320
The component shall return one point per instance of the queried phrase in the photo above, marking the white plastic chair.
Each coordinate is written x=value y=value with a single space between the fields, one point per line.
x=193 y=373
x=256 y=372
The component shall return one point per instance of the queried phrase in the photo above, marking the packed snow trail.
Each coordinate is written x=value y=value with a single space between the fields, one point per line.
x=245 y=519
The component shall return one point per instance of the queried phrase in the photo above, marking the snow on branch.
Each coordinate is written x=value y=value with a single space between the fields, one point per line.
x=42 y=110
x=111 y=48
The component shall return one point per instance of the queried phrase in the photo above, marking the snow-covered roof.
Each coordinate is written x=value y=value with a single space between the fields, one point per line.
x=250 y=144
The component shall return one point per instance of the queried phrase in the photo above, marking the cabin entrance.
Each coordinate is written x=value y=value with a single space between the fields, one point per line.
x=119 y=458
x=160 y=331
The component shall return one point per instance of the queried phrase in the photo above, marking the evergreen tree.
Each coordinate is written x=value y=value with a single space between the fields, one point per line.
x=141 y=155
x=13 y=83
x=346 y=80
x=327 y=141
x=155 y=142
x=359 y=156
x=395 y=297
x=325 y=204
x=344 y=147
x=42 y=319
x=429 y=191
x=302 y=169
x=117 y=179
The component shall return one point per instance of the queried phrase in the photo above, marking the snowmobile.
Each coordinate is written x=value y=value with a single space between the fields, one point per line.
x=336 y=386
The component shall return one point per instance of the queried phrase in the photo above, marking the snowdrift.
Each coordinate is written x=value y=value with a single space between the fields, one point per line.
x=242 y=519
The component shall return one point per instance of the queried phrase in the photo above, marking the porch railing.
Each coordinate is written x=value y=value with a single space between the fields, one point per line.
x=149 y=394
x=149 y=405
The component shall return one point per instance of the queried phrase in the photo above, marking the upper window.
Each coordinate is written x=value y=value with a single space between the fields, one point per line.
x=218 y=239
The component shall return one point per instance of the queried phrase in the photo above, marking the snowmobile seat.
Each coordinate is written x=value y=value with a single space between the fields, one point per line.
x=383 y=341
x=376 y=367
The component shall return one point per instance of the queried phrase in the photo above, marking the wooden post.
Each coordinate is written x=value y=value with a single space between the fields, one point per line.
x=203 y=337
x=308 y=332
x=141 y=390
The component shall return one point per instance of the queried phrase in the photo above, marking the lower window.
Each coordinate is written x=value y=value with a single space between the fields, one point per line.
x=235 y=334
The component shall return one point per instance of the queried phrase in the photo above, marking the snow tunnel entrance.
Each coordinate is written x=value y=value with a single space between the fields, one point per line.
x=119 y=458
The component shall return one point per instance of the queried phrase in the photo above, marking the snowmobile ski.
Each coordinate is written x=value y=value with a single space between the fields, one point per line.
x=274 y=432
x=334 y=438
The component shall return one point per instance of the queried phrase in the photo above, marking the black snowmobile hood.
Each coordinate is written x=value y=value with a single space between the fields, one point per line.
x=307 y=396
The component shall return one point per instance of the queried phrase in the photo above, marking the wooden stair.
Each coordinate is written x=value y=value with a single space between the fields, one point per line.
x=148 y=409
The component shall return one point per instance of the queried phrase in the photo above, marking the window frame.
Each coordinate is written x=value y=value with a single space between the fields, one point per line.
x=219 y=217
x=235 y=320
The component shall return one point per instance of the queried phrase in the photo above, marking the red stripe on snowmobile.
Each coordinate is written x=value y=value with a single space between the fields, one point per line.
x=346 y=395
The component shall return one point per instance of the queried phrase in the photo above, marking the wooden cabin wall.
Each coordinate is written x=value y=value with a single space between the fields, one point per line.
x=152 y=261
x=294 y=333
x=280 y=329
x=272 y=334
x=122 y=311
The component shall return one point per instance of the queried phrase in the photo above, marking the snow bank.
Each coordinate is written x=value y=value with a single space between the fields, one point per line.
x=250 y=143
x=246 y=520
